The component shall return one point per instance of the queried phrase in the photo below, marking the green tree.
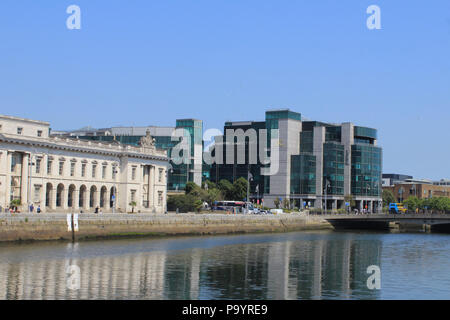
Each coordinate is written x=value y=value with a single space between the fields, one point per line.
x=286 y=203
x=276 y=202
x=133 y=204
x=15 y=203
x=240 y=189
x=190 y=187
x=197 y=205
x=388 y=197
x=226 y=187
x=184 y=203
x=213 y=195
x=412 y=203
x=210 y=184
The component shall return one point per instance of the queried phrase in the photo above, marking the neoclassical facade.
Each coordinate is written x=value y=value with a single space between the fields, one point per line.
x=65 y=174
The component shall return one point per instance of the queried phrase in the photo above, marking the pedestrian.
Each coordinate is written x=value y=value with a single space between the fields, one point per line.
x=38 y=210
x=31 y=208
x=96 y=209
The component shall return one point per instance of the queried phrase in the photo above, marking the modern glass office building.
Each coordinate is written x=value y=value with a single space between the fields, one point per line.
x=337 y=166
x=178 y=175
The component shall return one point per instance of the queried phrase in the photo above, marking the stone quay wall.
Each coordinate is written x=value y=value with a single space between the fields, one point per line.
x=55 y=226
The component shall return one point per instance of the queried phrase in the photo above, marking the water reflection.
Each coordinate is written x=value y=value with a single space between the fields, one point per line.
x=294 y=266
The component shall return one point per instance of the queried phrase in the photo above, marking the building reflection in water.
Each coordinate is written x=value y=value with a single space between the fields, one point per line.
x=317 y=268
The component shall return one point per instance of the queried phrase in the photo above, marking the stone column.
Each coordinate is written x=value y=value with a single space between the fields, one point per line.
x=42 y=196
x=65 y=198
x=8 y=179
x=76 y=200
x=53 y=198
x=106 y=204
x=96 y=198
x=151 y=186
x=87 y=199
x=334 y=204
x=24 y=182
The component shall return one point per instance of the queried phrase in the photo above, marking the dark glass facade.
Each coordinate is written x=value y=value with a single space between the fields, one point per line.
x=232 y=172
x=303 y=174
x=366 y=170
x=333 y=168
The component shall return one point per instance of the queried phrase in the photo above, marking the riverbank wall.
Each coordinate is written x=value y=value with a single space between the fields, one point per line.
x=54 y=226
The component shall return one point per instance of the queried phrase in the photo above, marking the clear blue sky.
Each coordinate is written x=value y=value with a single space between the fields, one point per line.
x=150 y=62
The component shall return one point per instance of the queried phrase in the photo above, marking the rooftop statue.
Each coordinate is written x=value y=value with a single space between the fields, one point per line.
x=147 y=141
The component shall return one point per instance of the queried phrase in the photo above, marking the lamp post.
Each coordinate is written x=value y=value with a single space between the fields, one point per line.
x=249 y=177
x=327 y=185
x=30 y=172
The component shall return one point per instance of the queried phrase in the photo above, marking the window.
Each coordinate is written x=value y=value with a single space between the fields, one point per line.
x=160 y=175
x=15 y=160
x=39 y=133
x=83 y=169
x=37 y=193
x=160 y=198
x=38 y=165
x=61 y=168
x=19 y=130
x=72 y=169
x=49 y=166
x=133 y=195
x=94 y=169
x=103 y=172
x=133 y=173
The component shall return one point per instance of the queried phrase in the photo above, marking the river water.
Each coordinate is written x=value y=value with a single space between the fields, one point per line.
x=297 y=265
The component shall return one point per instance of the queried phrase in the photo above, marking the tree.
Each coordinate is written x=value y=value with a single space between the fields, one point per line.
x=240 y=189
x=133 y=204
x=276 y=202
x=412 y=203
x=286 y=203
x=388 y=197
x=15 y=203
x=191 y=186
x=227 y=189
x=213 y=195
x=184 y=203
x=209 y=185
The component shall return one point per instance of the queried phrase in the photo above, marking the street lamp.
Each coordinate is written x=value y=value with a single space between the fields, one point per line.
x=327 y=185
x=249 y=178
x=30 y=172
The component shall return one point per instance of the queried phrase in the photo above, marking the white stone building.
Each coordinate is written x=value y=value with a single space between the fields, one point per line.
x=65 y=174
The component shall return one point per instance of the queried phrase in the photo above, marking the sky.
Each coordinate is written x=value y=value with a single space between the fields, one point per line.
x=148 y=62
